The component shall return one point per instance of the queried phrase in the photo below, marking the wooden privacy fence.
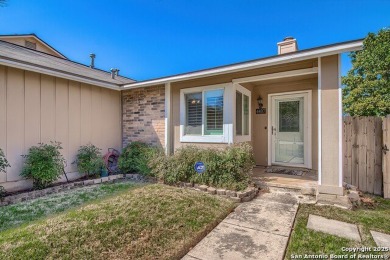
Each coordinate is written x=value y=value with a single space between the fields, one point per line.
x=362 y=147
x=386 y=157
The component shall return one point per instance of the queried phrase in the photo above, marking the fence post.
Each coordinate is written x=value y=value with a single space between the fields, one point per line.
x=386 y=157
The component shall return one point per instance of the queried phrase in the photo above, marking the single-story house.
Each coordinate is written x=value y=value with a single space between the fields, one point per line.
x=288 y=106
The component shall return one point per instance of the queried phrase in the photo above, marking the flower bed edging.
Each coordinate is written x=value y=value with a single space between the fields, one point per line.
x=12 y=199
x=237 y=196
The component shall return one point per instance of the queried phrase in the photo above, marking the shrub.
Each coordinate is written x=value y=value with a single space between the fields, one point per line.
x=3 y=193
x=135 y=158
x=89 y=160
x=3 y=166
x=228 y=168
x=43 y=164
x=3 y=162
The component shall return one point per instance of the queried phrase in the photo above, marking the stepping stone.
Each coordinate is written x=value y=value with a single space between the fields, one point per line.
x=381 y=239
x=334 y=227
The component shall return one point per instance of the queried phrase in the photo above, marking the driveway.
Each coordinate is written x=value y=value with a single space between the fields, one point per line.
x=259 y=229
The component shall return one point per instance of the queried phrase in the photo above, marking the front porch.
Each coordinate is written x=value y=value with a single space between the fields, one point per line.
x=307 y=182
x=291 y=115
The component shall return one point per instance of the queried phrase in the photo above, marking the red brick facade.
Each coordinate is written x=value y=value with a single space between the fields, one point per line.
x=143 y=115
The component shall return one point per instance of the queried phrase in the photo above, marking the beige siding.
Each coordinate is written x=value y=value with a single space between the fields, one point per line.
x=330 y=126
x=39 y=108
x=15 y=121
x=86 y=113
x=74 y=122
x=3 y=114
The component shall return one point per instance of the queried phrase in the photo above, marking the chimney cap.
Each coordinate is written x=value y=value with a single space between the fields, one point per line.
x=288 y=38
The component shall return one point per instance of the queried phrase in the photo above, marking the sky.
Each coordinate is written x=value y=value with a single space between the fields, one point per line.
x=154 y=38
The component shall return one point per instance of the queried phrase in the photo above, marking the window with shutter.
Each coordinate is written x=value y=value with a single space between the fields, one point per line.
x=242 y=114
x=193 y=114
x=214 y=112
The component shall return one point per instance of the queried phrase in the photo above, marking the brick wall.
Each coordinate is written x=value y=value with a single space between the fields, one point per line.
x=144 y=116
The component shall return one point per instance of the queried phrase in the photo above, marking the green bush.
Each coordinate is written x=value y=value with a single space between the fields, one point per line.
x=89 y=160
x=3 y=162
x=229 y=168
x=135 y=158
x=3 y=166
x=43 y=164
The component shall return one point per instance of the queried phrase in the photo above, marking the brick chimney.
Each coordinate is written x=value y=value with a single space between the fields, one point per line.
x=289 y=44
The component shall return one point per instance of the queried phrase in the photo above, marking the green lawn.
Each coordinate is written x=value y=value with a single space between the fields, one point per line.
x=27 y=211
x=304 y=241
x=149 y=222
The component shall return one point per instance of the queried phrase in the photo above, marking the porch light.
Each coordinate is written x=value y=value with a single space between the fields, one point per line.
x=260 y=102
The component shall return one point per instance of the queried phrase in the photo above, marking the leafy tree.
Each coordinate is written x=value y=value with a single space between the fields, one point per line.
x=367 y=85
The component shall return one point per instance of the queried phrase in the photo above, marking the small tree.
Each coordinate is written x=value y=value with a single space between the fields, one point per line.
x=367 y=85
x=44 y=164
x=89 y=160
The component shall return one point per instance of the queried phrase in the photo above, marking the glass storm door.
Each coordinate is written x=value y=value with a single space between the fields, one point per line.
x=290 y=129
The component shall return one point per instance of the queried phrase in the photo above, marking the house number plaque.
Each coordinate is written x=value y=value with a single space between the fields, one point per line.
x=262 y=110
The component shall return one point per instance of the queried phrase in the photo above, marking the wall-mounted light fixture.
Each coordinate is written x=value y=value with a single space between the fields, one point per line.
x=261 y=109
x=260 y=102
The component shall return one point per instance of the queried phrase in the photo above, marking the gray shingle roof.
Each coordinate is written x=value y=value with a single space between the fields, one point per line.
x=20 y=54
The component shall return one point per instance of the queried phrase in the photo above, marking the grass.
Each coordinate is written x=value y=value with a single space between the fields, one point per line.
x=27 y=211
x=150 y=222
x=304 y=241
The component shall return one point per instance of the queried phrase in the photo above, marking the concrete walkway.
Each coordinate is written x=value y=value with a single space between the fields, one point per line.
x=259 y=229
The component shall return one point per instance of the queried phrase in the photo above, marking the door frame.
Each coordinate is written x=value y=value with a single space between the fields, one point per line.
x=307 y=137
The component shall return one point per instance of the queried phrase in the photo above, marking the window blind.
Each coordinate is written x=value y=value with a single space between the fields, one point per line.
x=193 y=114
x=238 y=113
x=214 y=112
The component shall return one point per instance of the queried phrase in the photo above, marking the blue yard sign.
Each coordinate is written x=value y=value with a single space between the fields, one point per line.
x=200 y=167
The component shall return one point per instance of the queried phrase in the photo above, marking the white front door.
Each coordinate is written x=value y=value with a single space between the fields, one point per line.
x=291 y=129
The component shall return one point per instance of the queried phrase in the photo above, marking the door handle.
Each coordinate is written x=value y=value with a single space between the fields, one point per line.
x=273 y=129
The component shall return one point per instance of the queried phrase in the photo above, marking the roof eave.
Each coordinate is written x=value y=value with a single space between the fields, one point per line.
x=274 y=60
x=60 y=74
x=38 y=39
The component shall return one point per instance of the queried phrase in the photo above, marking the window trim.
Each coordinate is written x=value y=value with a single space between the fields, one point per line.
x=246 y=92
x=225 y=137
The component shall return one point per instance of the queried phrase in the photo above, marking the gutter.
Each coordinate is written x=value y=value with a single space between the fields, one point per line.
x=264 y=62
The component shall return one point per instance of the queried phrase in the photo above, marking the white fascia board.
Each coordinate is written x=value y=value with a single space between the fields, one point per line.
x=58 y=74
x=275 y=60
x=278 y=75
